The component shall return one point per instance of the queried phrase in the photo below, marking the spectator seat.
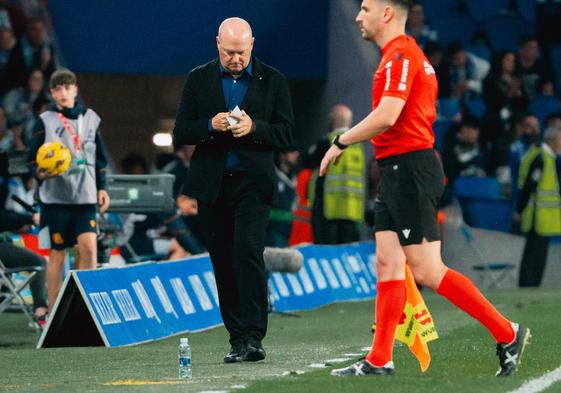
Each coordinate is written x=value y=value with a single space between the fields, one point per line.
x=504 y=31
x=482 y=10
x=543 y=106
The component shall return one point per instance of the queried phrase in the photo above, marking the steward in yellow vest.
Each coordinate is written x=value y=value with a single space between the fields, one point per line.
x=339 y=197
x=344 y=188
x=539 y=204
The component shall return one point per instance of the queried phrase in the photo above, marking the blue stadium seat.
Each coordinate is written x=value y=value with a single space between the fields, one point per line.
x=476 y=106
x=482 y=10
x=505 y=31
x=487 y=214
x=438 y=9
x=477 y=187
x=448 y=108
x=482 y=204
x=527 y=9
x=543 y=106
x=455 y=28
x=440 y=127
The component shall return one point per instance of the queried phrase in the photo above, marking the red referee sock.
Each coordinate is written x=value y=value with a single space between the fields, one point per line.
x=390 y=301
x=461 y=292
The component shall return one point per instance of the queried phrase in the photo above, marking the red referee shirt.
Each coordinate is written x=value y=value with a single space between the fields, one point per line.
x=405 y=72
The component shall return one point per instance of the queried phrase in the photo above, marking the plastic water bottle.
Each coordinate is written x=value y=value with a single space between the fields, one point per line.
x=184 y=353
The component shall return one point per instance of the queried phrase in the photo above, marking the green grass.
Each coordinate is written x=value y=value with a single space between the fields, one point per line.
x=464 y=357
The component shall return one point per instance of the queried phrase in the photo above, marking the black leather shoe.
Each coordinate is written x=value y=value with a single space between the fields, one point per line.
x=254 y=352
x=235 y=355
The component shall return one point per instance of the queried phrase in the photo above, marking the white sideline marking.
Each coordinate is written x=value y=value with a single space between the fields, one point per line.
x=328 y=363
x=213 y=391
x=337 y=360
x=541 y=383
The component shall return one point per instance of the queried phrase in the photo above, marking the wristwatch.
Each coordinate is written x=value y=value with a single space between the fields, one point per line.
x=339 y=144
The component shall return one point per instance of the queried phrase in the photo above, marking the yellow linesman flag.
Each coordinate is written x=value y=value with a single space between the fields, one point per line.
x=416 y=327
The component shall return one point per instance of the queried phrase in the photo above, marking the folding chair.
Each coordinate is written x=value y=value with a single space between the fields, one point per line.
x=10 y=292
x=480 y=202
x=492 y=274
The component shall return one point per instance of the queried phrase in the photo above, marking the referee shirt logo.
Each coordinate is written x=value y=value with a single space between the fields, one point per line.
x=429 y=70
x=406 y=233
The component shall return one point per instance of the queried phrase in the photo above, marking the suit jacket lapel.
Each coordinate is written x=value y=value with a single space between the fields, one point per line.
x=254 y=86
x=216 y=87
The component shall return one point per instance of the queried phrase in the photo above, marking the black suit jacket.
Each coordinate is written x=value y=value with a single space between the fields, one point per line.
x=267 y=102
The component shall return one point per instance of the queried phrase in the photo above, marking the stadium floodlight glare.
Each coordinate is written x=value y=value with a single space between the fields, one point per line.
x=162 y=139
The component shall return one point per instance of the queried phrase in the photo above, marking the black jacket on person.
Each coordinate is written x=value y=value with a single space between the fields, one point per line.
x=267 y=102
x=17 y=71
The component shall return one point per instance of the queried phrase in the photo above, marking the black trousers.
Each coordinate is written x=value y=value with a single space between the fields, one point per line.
x=13 y=256
x=236 y=226
x=534 y=259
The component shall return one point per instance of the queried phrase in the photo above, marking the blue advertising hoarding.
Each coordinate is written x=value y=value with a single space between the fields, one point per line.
x=150 y=301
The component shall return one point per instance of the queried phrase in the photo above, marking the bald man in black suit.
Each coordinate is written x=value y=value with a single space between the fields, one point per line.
x=232 y=175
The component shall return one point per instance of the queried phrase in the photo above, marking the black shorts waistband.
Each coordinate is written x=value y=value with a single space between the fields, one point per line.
x=409 y=156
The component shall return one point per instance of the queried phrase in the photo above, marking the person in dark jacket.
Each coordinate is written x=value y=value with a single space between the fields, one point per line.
x=13 y=256
x=34 y=51
x=538 y=209
x=237 y=111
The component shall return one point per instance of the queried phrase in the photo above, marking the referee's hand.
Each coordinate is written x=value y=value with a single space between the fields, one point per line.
x=332 y=155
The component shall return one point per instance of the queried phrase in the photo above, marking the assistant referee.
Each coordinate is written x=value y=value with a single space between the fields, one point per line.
x=400 y=127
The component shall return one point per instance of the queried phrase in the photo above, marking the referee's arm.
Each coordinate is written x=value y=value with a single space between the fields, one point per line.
x=379 y=120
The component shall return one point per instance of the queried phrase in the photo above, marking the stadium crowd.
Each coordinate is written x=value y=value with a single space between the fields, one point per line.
x=493 y=106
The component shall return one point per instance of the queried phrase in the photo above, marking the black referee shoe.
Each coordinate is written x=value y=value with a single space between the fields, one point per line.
x=364 y=368
x=510 y=355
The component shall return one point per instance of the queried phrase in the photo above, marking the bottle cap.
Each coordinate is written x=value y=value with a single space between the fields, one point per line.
x=184 y=341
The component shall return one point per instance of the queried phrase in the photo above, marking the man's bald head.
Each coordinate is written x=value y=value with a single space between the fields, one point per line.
x=341 y=116
x=235 y=28
x=235 y=44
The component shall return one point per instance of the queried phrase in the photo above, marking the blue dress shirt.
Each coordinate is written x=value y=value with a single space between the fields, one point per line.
x=234 y=94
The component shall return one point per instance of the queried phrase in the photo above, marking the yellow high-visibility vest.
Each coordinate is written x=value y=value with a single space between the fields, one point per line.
x=344 y=187
x=543 y=212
